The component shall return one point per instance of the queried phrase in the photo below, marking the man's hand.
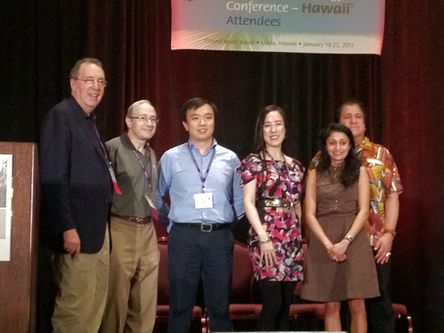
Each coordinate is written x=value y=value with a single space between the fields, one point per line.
x=383 y=248
x=71 y=242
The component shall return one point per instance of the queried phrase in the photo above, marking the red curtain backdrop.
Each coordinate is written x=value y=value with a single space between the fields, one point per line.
x=402 y=90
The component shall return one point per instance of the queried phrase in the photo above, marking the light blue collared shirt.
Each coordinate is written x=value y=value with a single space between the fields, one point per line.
x=180 y=179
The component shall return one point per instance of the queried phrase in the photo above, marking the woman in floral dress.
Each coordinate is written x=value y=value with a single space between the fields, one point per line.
x=272 y=183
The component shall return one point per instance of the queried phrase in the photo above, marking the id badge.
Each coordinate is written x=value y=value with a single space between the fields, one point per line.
x=154 y=211
x=203 y=200
x=150 y=202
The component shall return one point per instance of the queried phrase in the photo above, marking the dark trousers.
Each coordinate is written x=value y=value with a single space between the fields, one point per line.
x=195 y=255
x=379 y=310
x=276 y=299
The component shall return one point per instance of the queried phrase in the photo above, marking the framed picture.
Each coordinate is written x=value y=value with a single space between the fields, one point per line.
x=5 y=206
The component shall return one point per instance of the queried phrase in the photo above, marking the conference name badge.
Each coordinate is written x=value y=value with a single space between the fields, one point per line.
x=203 y=200
x=150 y=202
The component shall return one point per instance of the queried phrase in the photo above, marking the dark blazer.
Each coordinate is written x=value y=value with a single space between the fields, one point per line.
x=75 y=181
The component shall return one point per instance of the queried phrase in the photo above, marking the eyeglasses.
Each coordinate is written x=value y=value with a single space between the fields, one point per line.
x=90 y=82
x=153 y=120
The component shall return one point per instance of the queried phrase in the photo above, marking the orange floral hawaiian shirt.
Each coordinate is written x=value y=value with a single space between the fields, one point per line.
x=384 y=179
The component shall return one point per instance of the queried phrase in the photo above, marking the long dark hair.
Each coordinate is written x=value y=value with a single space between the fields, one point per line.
x=350 y=171
x=259 y=142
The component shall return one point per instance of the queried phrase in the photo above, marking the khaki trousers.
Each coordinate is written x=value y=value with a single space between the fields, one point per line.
x=134 y=264
x=82 y=287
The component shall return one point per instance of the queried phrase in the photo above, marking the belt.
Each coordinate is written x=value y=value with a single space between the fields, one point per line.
x=134 y=219
x=205 y=227
x=276 y=202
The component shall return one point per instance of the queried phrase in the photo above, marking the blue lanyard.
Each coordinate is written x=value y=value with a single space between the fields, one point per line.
x=145 y=171
x=100 y=141
x=112 y=174
x=203 y=178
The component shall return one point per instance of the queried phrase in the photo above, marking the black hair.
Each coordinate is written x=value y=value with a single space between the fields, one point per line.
x=349 y=101
x=259 y=142
x=350 y=172
x=195 y=103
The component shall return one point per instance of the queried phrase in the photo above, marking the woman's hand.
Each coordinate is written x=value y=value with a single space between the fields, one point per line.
x=268 y=255
x=337 y=251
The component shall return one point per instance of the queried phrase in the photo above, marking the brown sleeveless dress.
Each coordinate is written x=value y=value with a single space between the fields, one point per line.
x=326 y=280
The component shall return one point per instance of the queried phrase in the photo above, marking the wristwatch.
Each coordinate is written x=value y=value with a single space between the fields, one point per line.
x=349 y=238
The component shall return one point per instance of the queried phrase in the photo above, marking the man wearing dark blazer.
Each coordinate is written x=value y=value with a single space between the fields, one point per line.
x=77 y=184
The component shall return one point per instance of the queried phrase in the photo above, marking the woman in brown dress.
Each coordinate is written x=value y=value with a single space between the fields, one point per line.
x=339 y=264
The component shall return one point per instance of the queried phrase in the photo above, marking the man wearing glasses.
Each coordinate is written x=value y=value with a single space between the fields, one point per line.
x=77 y=184
x=134 y=261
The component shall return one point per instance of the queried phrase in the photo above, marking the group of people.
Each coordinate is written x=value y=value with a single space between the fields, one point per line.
x=100 y=199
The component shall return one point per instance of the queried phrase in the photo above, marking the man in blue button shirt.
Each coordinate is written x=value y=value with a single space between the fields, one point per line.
x=205 y=198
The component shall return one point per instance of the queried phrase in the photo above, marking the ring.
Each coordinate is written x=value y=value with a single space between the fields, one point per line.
x=388 y=254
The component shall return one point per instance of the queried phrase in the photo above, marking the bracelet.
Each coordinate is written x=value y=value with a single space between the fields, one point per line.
x=390 y=231
x=264 y=242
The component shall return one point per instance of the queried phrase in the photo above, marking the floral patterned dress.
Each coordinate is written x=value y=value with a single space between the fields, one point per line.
x=276 y=180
